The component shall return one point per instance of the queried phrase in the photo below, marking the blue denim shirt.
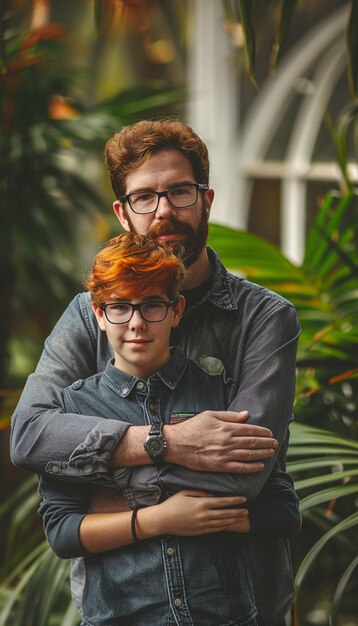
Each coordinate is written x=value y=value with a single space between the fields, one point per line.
x=252 y=331
x=179 y=580
x=179 y=390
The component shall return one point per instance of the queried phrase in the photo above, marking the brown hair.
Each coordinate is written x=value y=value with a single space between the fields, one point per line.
x=133 y=145
x=133 y=265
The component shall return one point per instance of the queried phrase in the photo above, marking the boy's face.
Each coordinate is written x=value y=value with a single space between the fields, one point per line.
x=167 y=224
x=140 y=347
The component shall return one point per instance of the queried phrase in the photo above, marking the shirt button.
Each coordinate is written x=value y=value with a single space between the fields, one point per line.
x=177 y=602
x=55 y=468
x=152 y=406
x=140 y=385
x=170 y=551
x=125 y=390
x=87 y=469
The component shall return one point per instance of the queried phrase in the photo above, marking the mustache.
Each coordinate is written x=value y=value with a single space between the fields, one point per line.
x=171 y=226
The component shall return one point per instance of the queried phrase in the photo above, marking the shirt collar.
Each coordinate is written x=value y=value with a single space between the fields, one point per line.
x=124 y=383
x=220 y=292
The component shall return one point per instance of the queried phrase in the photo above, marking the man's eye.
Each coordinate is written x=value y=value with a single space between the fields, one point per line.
x=180 y=191
x=142 y=198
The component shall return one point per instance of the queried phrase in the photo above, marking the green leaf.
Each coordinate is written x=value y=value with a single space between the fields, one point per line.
x=352 y=45
x=326 y=495
x=245 y=8
x=311 y=557
x=287 y=11
x=340 y=590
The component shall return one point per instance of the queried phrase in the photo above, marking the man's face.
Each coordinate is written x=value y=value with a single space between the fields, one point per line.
x=187 y=226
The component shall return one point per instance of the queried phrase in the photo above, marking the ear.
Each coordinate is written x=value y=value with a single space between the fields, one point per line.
x=208 y=200
x=121 y=214
x=178 y=309
x=99 y=313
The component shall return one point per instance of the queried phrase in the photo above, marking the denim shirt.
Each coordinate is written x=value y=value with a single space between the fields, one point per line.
x=251 y=330
x=203 y=593
x=177 y=392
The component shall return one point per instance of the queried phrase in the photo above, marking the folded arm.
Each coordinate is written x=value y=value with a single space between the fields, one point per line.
x=72 y=530
x=47 y=440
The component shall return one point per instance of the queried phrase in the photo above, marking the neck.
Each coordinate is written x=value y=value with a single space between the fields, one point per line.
x=199 y=272
x=142 y=369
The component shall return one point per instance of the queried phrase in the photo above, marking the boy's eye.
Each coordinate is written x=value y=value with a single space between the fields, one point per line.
x=120 y=307
x=153 y=306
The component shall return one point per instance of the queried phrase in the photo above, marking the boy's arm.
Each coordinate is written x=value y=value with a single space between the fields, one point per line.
x=62 y=508
x=73 y=530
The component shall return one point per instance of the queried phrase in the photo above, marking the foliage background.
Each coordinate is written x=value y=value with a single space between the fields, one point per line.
x=72 y=73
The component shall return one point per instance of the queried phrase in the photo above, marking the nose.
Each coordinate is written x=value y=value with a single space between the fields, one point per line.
x=136 y=321
x=164 y=208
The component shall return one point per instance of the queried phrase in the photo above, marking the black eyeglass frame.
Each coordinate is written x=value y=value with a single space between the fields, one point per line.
x=137 y=307
x=164 y=194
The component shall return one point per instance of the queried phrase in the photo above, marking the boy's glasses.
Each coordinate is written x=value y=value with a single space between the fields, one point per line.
x=179 y=196
x=122 y=312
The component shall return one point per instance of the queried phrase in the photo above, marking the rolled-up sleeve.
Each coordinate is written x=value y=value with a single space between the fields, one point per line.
x=46 y=439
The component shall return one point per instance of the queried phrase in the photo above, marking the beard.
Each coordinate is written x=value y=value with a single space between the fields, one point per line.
x=188 y=249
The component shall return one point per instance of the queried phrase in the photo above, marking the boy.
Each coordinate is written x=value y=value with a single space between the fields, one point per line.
x=178 y=575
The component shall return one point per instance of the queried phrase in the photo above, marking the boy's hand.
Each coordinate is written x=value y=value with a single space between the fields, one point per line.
x=192 y=513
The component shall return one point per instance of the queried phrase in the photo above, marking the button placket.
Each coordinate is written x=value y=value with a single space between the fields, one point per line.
x=175 y=582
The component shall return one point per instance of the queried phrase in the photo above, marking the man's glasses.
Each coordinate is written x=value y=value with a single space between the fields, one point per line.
x=122 y=312
x=179 y=196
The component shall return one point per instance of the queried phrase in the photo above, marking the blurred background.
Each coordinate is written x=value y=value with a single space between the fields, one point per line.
x=271 y=86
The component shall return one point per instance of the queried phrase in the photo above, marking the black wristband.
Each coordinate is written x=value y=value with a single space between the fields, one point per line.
x=133 y=520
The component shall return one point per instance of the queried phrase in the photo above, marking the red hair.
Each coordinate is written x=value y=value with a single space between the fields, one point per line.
x=133 y=266
x=134 y=145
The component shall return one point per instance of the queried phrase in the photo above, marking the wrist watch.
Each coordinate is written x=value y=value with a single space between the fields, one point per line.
x=155 y=443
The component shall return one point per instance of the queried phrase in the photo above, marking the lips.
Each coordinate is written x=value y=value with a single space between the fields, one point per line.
x=138 y=342
x=170 y=237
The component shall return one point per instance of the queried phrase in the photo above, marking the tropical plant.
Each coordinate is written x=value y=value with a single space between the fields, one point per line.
x=254 y=16
x=323 y=450
x=51 y=187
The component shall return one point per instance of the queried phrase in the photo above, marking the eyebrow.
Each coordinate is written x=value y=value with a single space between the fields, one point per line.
x=171 y=186
x=145 y=299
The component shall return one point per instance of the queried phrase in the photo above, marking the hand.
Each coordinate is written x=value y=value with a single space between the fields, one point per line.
x=192 y=513
x=242 y=525
x=219 y=441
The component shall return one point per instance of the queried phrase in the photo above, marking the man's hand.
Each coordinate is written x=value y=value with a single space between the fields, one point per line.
x=212 y=441
x=219 y=441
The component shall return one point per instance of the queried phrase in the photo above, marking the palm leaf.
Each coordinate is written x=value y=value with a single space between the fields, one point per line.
x=311 y=557
x=340 y=590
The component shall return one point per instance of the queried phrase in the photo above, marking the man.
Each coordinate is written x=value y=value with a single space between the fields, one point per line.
x=160 y=175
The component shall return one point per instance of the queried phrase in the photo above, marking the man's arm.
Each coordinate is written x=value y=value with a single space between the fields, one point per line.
x=265 y=388
x=46 y=440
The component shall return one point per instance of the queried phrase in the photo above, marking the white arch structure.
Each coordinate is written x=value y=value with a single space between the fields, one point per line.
x=321 y=52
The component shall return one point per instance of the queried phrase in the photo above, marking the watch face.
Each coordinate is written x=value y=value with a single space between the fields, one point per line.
x=155 y=446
